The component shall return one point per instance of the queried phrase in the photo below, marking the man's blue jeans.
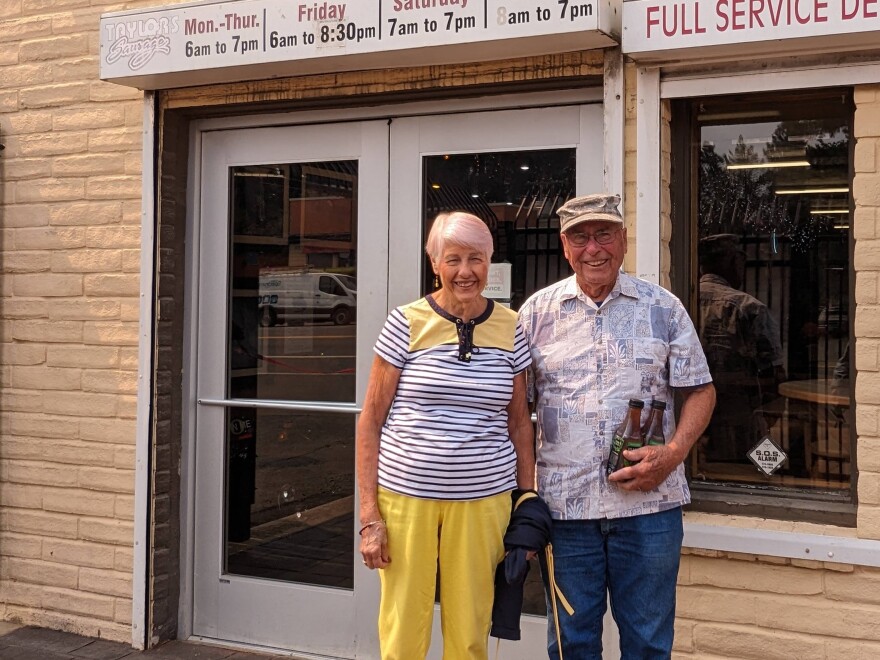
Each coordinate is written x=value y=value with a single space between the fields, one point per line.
x=636 y=560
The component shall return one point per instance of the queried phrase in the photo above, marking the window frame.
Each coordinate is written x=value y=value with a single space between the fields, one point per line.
x=812 y=505
x=722 y=533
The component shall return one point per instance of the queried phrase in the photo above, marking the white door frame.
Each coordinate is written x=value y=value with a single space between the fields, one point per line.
x=405 y=287
x=221 y=601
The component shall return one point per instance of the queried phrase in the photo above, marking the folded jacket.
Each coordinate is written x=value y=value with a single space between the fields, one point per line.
x=528 y=530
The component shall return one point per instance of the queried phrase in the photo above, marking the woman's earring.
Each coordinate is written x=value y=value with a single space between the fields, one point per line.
x=436 y=282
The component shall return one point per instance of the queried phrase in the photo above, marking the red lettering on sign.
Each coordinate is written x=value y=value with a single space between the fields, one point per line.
x=720 y=8
x=758 y=14
x=674 y=19
x=652 y=18
x=755 y=9
x=803 y=20
x=699 y=29
x=669 y=30
x=773 y=17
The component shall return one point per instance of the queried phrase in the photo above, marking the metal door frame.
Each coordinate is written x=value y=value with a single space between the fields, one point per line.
x=401 y=290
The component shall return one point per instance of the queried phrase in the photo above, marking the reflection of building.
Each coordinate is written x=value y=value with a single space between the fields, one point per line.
x=324 y=227
x=296 y=216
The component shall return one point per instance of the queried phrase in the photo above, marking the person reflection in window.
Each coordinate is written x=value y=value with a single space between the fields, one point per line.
x=840 y=380
x=742 y=345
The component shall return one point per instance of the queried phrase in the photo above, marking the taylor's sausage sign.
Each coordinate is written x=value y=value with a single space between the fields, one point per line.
x=225 y=41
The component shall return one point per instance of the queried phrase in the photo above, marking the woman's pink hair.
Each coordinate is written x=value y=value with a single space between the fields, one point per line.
x=458 y=228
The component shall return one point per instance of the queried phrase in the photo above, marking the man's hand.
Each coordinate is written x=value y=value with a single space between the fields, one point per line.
x=654 y=463
x=651 y=467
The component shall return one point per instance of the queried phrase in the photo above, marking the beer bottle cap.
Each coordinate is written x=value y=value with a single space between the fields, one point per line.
x=637 y=403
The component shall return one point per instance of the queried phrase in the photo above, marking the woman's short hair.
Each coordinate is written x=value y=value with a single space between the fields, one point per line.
x=458 y=228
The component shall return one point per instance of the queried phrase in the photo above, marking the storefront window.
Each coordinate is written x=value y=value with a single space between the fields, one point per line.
x=762 y=220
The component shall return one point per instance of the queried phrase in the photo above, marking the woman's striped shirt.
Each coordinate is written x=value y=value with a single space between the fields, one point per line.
x=446 y=434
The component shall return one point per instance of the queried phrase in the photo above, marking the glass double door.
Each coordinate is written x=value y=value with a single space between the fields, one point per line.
x=305 y=237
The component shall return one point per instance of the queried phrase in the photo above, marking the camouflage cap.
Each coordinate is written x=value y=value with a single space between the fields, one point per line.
x=597 y=207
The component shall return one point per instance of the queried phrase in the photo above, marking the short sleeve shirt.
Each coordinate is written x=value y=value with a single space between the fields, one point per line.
x=588 y=361
x=446 y=435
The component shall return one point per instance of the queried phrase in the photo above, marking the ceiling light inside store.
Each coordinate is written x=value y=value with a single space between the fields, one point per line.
x=435 y=186
x=768 y=166
x=524 y=167
x=841 y=226
x=810 y=191
x=830 y=212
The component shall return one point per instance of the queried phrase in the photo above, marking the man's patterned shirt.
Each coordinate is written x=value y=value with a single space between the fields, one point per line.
x=588 y=361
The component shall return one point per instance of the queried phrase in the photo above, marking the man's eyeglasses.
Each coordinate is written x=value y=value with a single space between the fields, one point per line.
x=580 y=239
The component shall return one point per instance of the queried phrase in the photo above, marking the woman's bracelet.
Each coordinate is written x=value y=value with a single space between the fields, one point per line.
x=370 y=524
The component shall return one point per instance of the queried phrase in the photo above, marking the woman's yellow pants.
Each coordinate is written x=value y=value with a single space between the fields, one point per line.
x=465 y=540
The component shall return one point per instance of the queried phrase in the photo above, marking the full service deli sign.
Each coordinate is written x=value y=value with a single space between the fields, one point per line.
x=661 y=25
x=248 y=32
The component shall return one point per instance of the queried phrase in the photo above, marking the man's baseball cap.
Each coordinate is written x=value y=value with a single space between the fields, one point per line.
x=589 y=208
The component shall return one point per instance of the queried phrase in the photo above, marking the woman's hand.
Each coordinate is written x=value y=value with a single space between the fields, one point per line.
x=374 y=546
x=381 y=389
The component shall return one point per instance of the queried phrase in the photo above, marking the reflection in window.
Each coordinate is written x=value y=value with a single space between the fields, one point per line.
x=293 y=303
x=516 y=193
x=772 y=208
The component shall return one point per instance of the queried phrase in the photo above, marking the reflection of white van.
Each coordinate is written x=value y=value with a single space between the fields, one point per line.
x=296 y=295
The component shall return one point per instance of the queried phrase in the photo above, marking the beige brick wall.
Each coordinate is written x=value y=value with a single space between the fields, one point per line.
x=763 y=608
x=866 y=193
x=69 y=253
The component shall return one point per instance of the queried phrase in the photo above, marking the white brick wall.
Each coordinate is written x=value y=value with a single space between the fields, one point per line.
x=69 y=253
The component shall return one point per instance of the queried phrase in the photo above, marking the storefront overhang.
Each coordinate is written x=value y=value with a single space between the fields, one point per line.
x=672 y=30
x=217 y=42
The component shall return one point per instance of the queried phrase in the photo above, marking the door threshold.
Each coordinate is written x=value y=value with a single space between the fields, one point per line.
x=258 y=648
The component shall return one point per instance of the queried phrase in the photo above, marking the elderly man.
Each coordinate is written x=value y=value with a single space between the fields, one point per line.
x=599 y=339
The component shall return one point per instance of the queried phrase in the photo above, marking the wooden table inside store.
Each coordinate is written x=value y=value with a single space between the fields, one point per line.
x=828 y=450
x=822 y=390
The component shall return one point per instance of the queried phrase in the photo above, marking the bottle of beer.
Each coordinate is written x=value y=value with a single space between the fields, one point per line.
x=653 y=430
x=648 y=419
x=627 y=436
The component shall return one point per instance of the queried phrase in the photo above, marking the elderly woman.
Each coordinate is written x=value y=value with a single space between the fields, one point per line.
x=443 y=438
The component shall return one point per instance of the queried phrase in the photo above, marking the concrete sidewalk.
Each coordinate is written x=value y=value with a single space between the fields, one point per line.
x=29 y=643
